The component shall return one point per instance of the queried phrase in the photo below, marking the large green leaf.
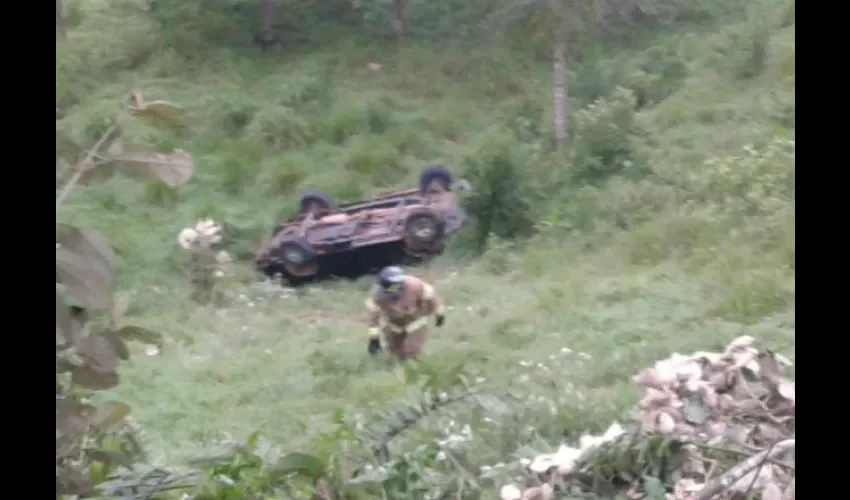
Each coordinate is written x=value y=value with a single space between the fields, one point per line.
x=85 y=263
x=85 y=376
x=172 y=169
x=64 y=323
x=88 y=283
x=88 y=243
x=98 y=353
x=72 y=417
x=118 y=344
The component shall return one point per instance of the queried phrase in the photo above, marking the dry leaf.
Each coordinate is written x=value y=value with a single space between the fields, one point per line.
x=712 y=358
x=787 y=389
x=651 y=378
x=654 y=397
x=666 y=424
x=737 y=434
x=648 y=421
x=790 y=490
x=718 y=428
x=769 y=367
x=740 y=343
x=159 y=113
x=140 y=334
x=510 y=492
x=173 y=170
x=726 y=397
x=543 y=492
x=97 y=173
x=771 y=492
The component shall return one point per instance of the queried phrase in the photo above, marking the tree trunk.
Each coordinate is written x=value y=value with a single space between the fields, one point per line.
x=398 y=18
x=61 y=31
x=559 y=91
x=268 y=25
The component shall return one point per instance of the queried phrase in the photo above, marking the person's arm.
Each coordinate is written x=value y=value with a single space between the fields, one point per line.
x=374 y=324
x=435 y=303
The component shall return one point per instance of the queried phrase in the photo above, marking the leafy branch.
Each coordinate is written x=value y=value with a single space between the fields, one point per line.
x=91 y=442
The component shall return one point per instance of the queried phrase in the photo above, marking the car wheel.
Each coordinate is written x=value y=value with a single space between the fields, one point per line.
x=313 y=202
x=298 y=257
x=423 y=230
x=435 y=177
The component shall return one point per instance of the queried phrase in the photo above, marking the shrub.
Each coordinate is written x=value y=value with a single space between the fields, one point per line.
x=606 y=138
x=503 y=199
x=660 y=72
x=743 y=50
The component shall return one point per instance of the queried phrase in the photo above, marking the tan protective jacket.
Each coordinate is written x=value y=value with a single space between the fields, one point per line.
x=409 y=313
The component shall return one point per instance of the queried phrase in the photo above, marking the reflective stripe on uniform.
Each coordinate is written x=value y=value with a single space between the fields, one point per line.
x=410 y=327
x=393 y=328
x=371 y=306
x=374 y=332
x=428 y=292
x=417 y=324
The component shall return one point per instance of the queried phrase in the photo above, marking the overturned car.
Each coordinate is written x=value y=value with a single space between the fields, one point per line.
x=349 y=240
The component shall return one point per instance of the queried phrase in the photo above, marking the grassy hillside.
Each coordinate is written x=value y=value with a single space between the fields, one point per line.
x=688 y=246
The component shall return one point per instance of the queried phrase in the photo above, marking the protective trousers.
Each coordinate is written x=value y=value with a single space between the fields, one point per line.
x=406 y=342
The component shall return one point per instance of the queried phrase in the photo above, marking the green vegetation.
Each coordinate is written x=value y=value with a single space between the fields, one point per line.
x=666 y=223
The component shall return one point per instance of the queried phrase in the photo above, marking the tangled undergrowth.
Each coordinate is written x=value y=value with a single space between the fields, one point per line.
x=710 y=425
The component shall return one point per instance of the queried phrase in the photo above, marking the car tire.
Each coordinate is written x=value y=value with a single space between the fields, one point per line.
x=297 y=257
x=423 y=230
x=314 y=201
x=435 y=174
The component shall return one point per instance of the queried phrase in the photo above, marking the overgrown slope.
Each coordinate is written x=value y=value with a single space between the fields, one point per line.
x=669 y=224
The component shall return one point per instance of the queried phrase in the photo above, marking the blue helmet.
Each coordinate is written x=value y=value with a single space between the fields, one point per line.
x=391 y=282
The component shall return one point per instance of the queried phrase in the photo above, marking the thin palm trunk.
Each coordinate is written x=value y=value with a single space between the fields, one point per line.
x=560 y=94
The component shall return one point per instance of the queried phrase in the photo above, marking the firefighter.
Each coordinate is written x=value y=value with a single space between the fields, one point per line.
x=399 y=306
